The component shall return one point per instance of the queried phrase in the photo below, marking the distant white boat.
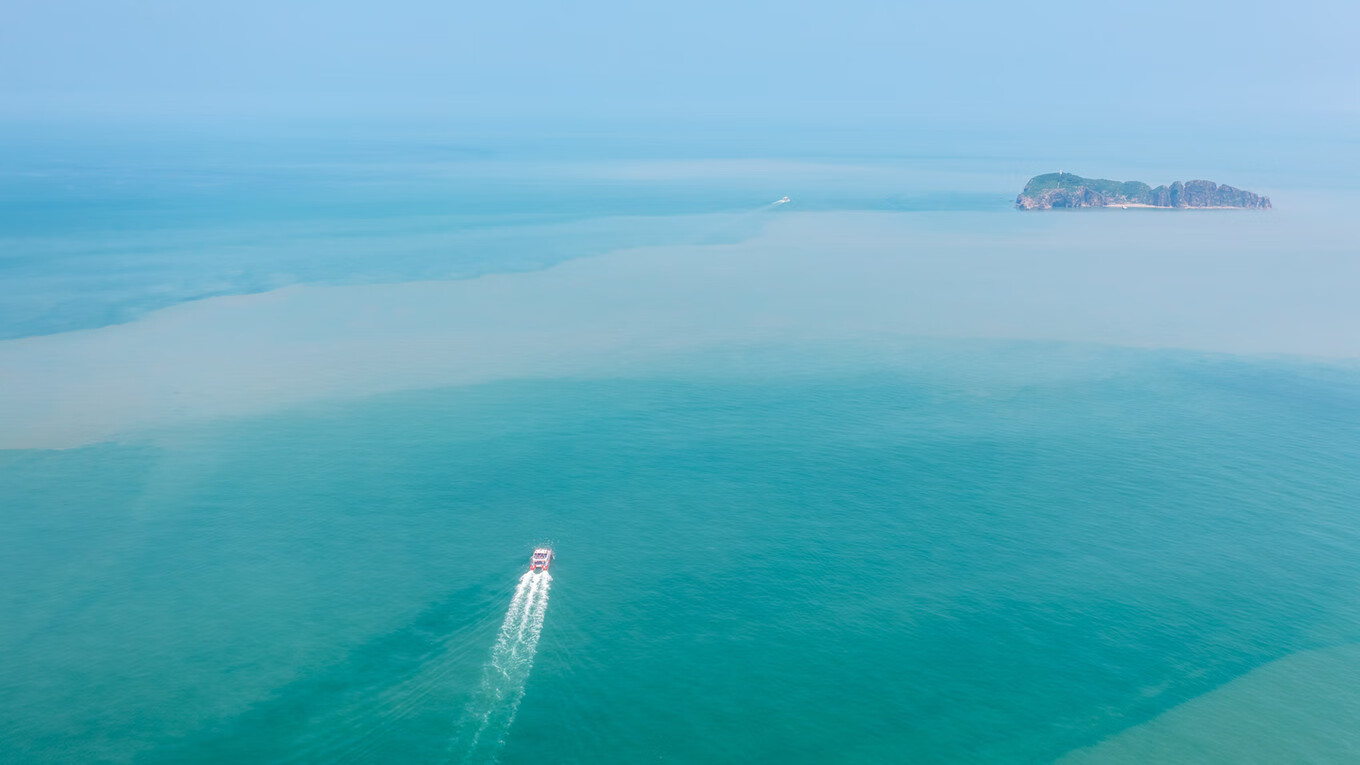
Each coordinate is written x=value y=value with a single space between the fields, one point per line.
x=782 y=201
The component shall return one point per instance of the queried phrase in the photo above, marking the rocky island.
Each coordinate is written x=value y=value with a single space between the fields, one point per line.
x=1044 y=192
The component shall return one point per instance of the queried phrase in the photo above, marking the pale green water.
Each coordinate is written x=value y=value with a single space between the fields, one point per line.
x=990 y=553
x=786 y=530
x=1301 y=708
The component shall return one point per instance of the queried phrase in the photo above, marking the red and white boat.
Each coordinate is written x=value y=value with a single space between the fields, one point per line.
x=541 y=559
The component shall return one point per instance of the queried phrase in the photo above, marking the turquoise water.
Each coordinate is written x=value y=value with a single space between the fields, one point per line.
x=102 y=225
x=98 y=230
x=891 y=473
x=975 y=552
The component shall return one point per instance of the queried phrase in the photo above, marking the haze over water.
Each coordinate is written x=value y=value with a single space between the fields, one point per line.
x=891 y=472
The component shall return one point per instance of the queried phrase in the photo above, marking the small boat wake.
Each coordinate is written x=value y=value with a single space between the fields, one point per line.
x=493 y=707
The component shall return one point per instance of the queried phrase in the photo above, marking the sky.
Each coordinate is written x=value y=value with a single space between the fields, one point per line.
x=843 y=63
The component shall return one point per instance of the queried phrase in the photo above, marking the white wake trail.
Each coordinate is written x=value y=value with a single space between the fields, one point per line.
x=506 y=674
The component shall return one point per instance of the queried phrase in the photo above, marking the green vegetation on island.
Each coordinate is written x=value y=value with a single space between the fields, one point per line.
x=1044 y=192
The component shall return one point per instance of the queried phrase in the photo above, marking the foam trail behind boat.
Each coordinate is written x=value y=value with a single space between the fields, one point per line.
x=493 y=709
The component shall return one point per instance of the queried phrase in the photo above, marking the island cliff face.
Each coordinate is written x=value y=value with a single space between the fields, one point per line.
x=1044 y=192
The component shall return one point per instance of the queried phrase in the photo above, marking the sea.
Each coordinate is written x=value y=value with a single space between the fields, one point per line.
x=889 y=472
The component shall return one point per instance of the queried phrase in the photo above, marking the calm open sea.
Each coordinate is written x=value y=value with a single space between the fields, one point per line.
x=860 y=547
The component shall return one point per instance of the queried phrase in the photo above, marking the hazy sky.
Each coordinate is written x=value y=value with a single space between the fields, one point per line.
x=829 y=62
